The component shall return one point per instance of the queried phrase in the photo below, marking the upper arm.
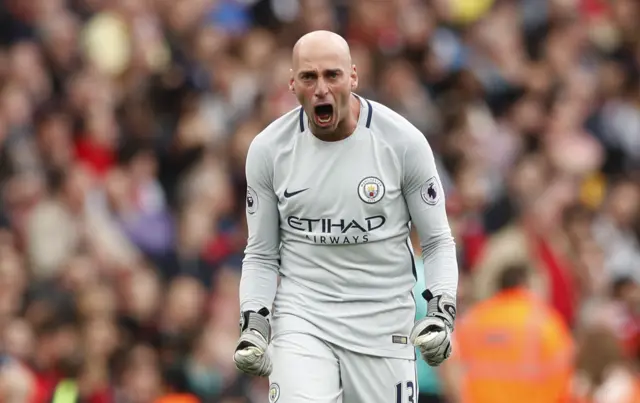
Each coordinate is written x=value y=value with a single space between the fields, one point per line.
x=262 y=214
x=422 y=188
x=419 y=165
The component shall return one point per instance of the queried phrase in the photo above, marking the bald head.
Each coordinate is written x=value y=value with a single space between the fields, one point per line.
x=317 y=44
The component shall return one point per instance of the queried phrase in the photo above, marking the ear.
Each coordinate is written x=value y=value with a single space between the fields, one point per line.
x=291 y=87
x=354 y=78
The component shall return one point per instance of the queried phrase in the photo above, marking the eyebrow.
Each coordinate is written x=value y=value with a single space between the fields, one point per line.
x=314 y=72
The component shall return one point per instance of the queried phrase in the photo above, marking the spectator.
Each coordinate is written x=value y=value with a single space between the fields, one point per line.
x=512 y=345
x=603 y=375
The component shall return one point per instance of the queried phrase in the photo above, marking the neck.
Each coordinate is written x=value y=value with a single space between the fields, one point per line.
x=347 y=126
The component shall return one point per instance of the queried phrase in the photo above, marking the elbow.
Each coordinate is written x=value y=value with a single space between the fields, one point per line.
x=442 y=241
x=270 y=261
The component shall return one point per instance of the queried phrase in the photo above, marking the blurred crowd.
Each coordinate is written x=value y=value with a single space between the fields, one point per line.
x=124 y=127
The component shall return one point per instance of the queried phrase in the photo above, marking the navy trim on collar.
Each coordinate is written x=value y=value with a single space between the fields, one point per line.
x=301 y=119
x=369 y=114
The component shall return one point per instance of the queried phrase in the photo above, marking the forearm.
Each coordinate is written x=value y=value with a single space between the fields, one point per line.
x=440 y=264
x=258 y=286
x=437 y=244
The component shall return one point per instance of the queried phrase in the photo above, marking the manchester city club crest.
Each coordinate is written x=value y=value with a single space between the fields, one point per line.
x=274 y=393
x=371 y=190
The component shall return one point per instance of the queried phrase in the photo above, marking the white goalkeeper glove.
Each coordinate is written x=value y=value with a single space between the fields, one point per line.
x=251 y=355
x=432 y=334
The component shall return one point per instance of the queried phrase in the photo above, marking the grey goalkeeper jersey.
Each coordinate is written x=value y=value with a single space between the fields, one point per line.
x=332 y=221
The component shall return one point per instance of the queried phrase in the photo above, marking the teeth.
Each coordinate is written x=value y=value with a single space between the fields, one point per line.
x=324 y=119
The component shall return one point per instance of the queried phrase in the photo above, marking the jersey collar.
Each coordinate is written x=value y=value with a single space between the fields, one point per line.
x=363 y=120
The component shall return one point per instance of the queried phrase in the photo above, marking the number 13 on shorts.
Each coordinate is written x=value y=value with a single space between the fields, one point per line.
x=405 y=392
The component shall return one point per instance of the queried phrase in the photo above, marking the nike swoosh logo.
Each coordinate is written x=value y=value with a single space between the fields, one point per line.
x=288 y=195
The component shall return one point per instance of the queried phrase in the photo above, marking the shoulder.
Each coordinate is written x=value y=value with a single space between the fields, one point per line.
x=473 y=314
x=554 y=319
x=478 y=315
x=393 y=127
x=277 y=133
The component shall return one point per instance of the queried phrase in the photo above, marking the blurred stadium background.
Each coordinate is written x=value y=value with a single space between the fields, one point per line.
x=124 y=126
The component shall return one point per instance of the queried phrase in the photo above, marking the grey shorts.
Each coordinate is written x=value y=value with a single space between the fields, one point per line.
x=309 y=370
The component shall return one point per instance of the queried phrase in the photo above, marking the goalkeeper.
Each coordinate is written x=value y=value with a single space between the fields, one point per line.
x=333 y=188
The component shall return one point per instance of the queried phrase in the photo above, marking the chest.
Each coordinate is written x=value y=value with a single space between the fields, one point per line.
x=352 y=181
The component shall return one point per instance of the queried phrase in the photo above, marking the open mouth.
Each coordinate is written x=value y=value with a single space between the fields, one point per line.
x=323 y=114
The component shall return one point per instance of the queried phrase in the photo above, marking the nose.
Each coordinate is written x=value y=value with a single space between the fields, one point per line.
x=321 y=88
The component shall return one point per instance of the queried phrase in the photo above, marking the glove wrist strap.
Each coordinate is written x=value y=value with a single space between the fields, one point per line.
x=256 y=321
x=442 y=306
